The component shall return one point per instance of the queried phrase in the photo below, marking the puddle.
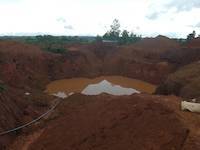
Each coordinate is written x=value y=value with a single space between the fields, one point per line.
x=114 y=85
x=107 y=87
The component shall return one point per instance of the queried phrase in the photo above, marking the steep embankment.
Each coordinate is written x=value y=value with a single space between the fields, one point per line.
x=185 y=82
x=152 y=48
x=129 y=61
x=195 y=43
x=181 y=56
x=21 y=71
x=22 y=65
x=10 y=114
x=25 y=68
x=188 y=53
x=25 y=65
x=16 y=109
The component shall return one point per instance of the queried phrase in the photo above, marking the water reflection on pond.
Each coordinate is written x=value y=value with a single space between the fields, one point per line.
x=114 y=85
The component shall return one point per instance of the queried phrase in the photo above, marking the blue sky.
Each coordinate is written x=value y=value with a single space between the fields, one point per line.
x=174 y=18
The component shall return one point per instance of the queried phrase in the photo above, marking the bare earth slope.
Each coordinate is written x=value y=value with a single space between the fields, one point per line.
x=184 y=82
x=116 y=123
x=158 y=44
x=107 y=122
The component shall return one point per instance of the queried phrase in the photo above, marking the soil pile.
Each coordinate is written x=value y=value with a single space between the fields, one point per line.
x=22 y=65
x=181 y=56
x=10 y=114
x=108 y=122
x=124 y=60
x=159 y=44
x=184 y=82
x=195 y=43
x=16 y=109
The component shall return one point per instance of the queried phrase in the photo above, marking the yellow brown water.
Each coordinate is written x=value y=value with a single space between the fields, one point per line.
x=77 y=85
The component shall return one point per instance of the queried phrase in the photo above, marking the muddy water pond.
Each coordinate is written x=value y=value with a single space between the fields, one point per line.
x=114 y=85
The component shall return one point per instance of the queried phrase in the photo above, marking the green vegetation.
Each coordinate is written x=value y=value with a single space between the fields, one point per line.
x=128 y=38
x=191 y=36
x=54 y=44
x=98 y=38
x=114 y=32
x=55 y=50
x=59 y=39
x=2 y=87
x=124 y=37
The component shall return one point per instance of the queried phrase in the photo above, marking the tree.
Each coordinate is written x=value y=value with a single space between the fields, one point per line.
x=115 y=27
x=124 y=37
x=191 y=36
x=114 y=32
x=134 y=38
x=98 y=38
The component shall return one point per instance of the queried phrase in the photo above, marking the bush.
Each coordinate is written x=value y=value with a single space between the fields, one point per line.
x=55 y=50
x=2 y=87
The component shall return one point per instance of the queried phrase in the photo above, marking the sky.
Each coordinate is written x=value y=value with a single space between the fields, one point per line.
x=172 y=18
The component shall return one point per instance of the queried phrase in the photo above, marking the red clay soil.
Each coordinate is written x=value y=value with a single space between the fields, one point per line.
x=105 y=122
x=17 y=109
x=10 y=115
x=22 y=65
x=158 y=44
x=184 y=82
x=123 y=60
x=26 y=68
x=188 y=53
x=195 y=43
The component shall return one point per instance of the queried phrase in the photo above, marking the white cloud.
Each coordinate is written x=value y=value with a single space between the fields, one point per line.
x=92 y=17
x=183 y=5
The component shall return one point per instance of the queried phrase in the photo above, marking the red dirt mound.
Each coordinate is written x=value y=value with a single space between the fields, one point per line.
x=157 y=45
x=195 y=43
x=17 y=109
x=185 y=82
x=24 y=65
x=105 y=122
x=21 y=64
x=10 y=115
x=181 y=56
x=124 y=60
